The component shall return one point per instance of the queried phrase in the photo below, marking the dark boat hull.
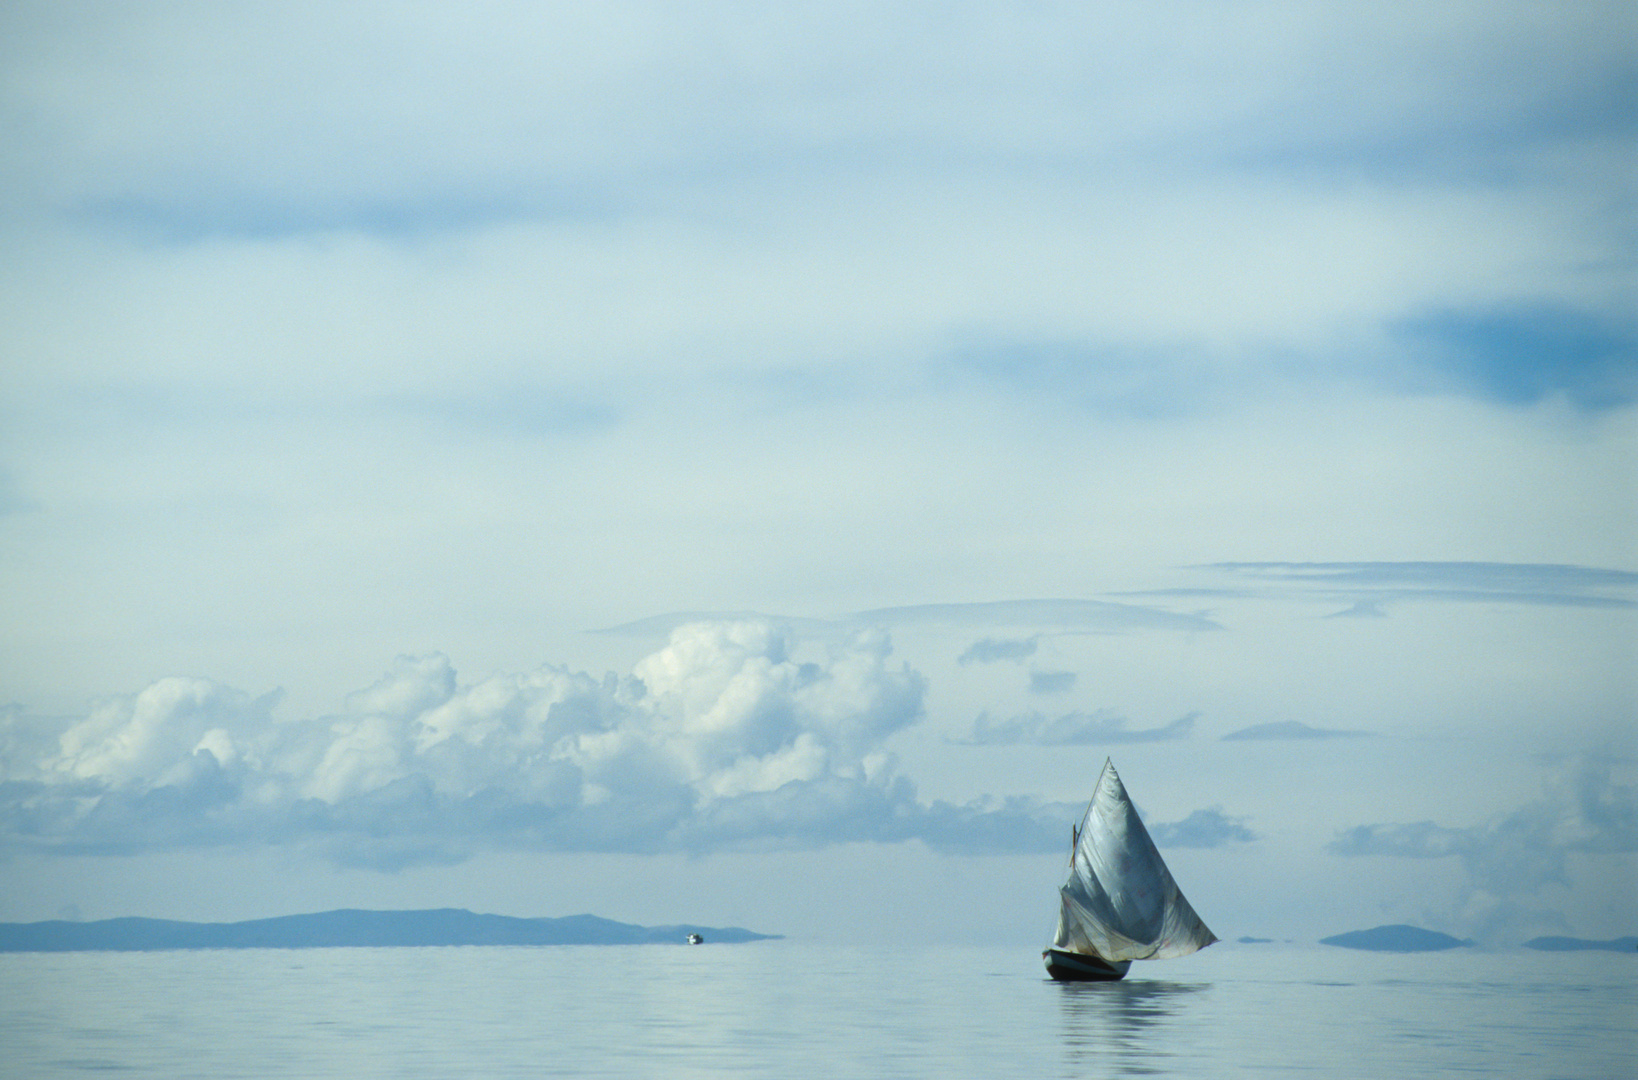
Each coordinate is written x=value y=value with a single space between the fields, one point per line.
x=1081 y=967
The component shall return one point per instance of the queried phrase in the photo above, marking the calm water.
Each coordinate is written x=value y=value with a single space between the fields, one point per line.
x=788 y=1009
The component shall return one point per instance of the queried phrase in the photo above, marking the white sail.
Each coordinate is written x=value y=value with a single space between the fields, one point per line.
x=1119 y=901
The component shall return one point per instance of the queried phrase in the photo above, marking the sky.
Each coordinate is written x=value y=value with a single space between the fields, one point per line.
x=750 y=464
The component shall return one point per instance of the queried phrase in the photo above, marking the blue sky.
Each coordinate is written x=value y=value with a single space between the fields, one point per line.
x=649 y=459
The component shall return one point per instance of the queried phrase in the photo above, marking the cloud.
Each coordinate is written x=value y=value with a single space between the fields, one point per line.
x=655 y=151
x=1202 y=829
x=720 y=739
x=1514 y=862
x=1051 y=682
x=1096 y=616
x=990 y=650
x=1103 y=377
x=591 y=103
x=1361 y=609
x=1291 y=729
x=1521 y=355
x=1369 y=585
x=1421 y=840
x=664 y=625
x=156 y=733
x=1071 y=729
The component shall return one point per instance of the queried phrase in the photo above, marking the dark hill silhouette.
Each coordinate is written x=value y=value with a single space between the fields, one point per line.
x=1574 y=944
x=1396 y=938
x=334 y=929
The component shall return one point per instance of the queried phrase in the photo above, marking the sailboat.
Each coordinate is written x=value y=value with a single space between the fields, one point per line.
x=1119 y=902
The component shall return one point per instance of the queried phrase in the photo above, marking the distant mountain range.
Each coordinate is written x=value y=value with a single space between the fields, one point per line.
x=1401 y=938
x=1575 y=944
x=335 y=929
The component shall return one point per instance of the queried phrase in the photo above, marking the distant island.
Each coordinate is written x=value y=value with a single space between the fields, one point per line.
x=1575 y=944
x=341 y=929
x=1396 y=938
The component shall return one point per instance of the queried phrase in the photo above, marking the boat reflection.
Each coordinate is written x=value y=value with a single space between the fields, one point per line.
x=1121 y=1028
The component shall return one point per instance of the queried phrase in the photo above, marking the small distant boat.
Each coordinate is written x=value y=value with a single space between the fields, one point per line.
x=1119 y=902
x=695 y=939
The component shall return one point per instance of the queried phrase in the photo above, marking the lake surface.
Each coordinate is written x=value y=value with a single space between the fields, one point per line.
x=784 y=1008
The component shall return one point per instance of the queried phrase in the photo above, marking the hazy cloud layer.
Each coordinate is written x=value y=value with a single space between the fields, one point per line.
x=1523 y=354
x=1056 y=614
x=1071 y=729
x=1202 y=829
x=1513 y=862
x=1061 y=614
x=666 y=624
x=1051 y=682
x=1370 y=584
x=649 y=87
x=720 y=739
x=1291 y=729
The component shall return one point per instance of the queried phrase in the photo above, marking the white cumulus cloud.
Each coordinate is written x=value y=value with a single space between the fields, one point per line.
x=1518 y=864
x=722 y=736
